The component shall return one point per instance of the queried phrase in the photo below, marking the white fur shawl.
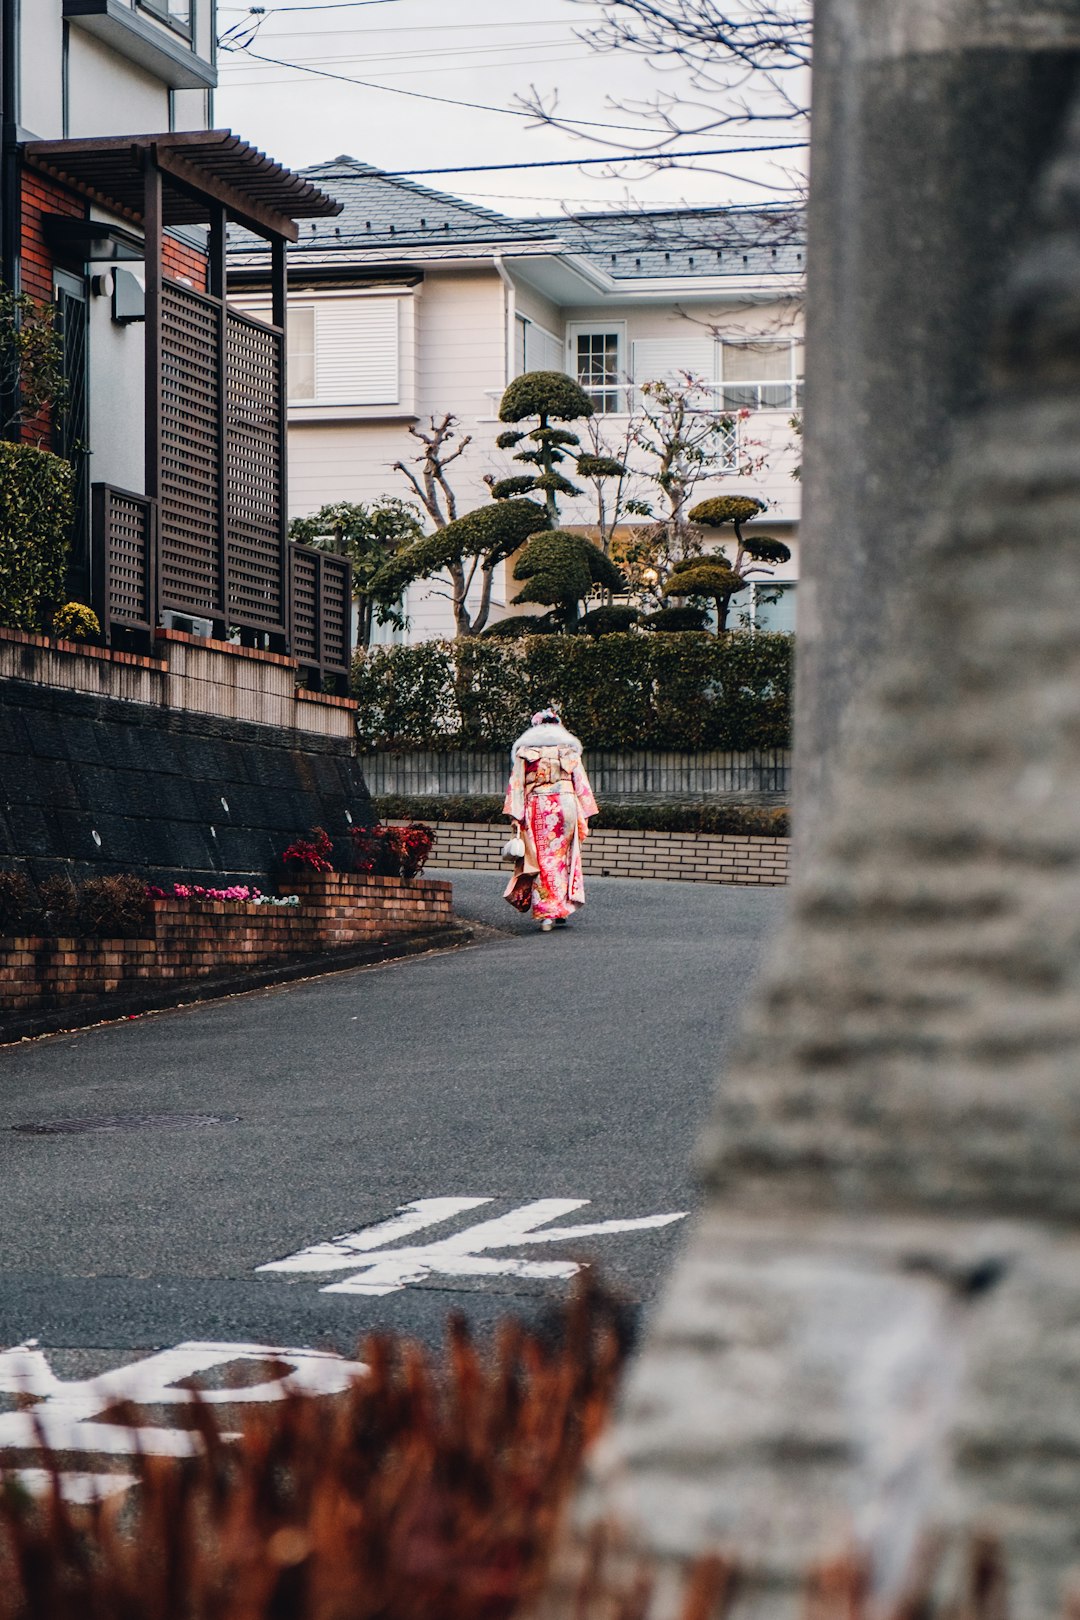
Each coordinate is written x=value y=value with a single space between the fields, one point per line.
x=546 y=736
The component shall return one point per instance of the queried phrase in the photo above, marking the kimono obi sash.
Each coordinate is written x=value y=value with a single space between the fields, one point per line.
x=548 y=770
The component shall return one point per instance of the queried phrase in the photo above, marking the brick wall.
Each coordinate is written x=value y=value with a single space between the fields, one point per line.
x=199 y=939
x=40 y=196
x=612 y=852
x=183 y=262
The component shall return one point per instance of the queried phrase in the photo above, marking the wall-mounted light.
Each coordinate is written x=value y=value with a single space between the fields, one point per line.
x=101 y=286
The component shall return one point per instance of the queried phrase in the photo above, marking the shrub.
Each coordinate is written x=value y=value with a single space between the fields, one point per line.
x=59 y=901
x=739 y=819
x=606 y=621
x=114 y=907
x=314 y=854
x=675 y=619
x=75 y=622
x=681 y=691
x=392 y=851
x=18 y=902
x=35 y=533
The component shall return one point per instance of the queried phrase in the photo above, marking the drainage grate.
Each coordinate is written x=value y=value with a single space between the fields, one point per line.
x=124 y=1122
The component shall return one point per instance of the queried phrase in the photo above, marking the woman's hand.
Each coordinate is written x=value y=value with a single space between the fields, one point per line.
x=582 y=828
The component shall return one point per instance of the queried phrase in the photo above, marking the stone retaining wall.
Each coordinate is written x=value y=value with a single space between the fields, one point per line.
x=615 y=852
x=200 y=939
x=186 y=675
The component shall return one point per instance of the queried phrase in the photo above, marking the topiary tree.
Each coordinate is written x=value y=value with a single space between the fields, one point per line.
x=675 y=620
x=608 y=621
x=561 y=569
x=549 y=396
x=368 y=535
x=755 y=553
x=470 y=545
x=706 y=576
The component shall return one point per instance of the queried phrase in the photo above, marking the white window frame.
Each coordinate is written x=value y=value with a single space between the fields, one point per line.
x=295 y=308
x=617 y=391
x=753 y=393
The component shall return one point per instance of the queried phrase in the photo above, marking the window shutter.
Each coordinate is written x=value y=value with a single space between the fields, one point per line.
x=357 y=359
x=544 y=351
x=662 y=359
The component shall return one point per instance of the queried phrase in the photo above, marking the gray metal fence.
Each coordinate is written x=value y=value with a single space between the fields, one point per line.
x=615 y=774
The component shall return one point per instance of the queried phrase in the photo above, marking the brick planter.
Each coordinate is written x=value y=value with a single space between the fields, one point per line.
x=192 y=940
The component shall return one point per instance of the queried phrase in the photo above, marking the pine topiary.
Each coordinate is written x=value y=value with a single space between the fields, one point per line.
x=607 y=621
x=545 y=394
x=722 y=509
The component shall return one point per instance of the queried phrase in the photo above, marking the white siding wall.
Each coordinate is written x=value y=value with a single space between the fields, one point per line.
x=108 y=95
x=41 y=69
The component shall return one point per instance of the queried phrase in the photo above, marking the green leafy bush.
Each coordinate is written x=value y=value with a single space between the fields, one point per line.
x=75 y=622
x=35 y=533
x=741 y=819
x=683 y=691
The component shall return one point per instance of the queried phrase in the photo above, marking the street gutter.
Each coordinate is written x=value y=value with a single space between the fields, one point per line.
x=119 y=1005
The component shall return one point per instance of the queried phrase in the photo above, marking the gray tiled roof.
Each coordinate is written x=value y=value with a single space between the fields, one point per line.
x=383 y=215
x=687 y=241
x=386 y=218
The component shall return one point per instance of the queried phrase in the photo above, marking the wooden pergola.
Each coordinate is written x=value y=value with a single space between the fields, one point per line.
x=211 y=520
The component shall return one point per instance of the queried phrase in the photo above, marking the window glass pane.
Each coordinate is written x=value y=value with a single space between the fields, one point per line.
x=778 y=615
x=758 y=361
x=301 y=346
x=598 y=368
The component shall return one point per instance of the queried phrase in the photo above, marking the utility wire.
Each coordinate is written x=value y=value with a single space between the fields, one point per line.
x=568 y=163
x=419 y=95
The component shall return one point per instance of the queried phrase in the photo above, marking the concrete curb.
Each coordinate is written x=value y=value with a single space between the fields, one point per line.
x=107 y=1009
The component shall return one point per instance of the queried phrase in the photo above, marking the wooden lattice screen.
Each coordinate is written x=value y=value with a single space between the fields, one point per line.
x=123 y=551
x=221 y=478
x=321 y=596
x=253 y=468
x=190 y=571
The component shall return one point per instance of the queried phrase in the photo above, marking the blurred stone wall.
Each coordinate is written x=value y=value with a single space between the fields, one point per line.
x=873 y=1333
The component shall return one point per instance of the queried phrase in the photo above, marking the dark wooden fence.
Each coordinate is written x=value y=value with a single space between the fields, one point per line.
x=213 y=545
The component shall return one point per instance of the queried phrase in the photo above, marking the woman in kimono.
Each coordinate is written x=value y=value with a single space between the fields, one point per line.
x=550 y=802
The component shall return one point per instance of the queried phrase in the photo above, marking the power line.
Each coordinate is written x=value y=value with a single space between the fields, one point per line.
x=423 y=95
x=568 y=163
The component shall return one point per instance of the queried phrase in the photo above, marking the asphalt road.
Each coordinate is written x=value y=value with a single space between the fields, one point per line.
x=572 y=1065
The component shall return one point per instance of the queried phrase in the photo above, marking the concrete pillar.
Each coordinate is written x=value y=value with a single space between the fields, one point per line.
x=931 y=118
x=871 y=1335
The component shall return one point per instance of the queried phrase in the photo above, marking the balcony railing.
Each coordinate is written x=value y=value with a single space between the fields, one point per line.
x=128 y=601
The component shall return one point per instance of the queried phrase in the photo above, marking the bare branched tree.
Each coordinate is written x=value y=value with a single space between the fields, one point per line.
x=744 y=72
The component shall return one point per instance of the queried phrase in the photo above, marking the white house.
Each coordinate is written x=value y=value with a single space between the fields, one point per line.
x=413 y=303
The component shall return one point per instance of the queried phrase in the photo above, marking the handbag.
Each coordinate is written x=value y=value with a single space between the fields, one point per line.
x=513 y=850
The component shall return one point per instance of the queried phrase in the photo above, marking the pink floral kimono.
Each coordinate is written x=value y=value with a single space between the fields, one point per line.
x=550 y=798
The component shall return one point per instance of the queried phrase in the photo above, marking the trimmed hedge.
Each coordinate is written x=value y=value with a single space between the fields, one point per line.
x=742 y=819
x=35 y=533
x=619 y=691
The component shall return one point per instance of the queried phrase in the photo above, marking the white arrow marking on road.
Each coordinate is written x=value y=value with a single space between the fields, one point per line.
x=465 y=1254
x=64 y=1413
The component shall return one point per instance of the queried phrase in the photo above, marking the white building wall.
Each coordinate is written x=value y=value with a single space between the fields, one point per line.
x=108 y=95
x=41 y=69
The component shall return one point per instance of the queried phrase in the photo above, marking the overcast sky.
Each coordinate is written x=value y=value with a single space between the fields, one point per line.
x=481 y=51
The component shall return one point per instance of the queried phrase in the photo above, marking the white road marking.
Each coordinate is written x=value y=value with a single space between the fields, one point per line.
x=464 y=1254
x=63 y=1414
